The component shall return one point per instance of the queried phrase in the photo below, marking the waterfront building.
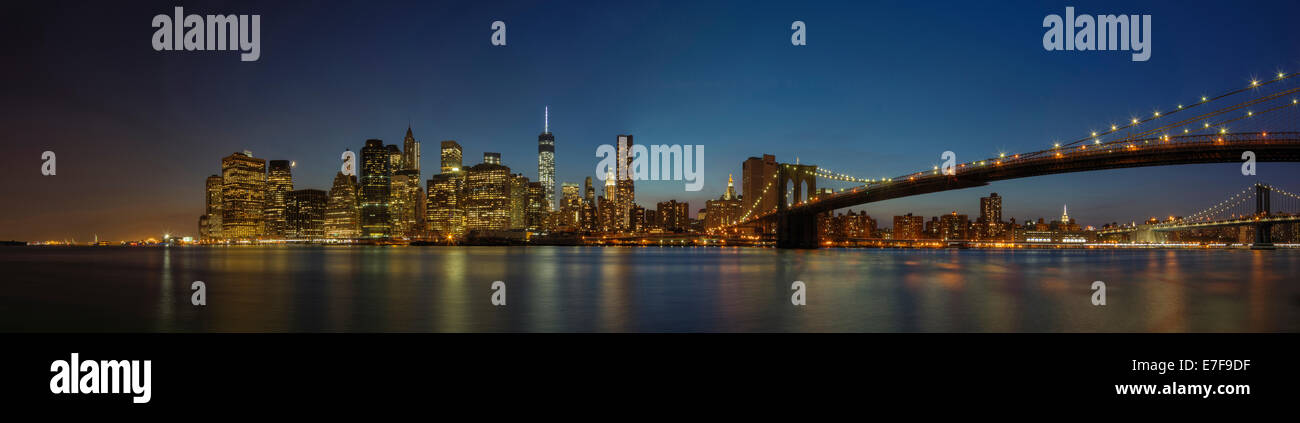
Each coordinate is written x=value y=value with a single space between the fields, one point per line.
x=243 y=196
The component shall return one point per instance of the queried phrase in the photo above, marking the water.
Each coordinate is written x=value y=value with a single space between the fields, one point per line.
x=586 y=289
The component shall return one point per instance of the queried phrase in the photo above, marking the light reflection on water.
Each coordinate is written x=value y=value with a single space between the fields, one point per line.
x=592 y=289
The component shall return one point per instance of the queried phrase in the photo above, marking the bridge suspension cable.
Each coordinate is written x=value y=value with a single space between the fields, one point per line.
x=1206 y=116
x=1254 y=85
x=1224 y=208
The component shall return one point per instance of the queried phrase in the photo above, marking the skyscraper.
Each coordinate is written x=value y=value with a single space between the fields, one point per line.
x=731 y=189
x=535 y=214
x=588 y=219
x=376 y=190
x=445 y=205
x=305 y=214
x=570 y=206
x=406 y=204
x=518 y=202
x=723 y=211
x=411 y=153
x=990 y=220
x=607 y=206
x=626 y=197
x=396 y=160
x=674 y=216
x=243 y=196
x=487 y=195
x=546 y=161
x=756 y=175
x=211 y=231
x=279 y=182
x=341 y=217
x=451 y=156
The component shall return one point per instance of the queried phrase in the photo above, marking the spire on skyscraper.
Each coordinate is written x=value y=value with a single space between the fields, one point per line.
x=731 y=188
x=546 y=120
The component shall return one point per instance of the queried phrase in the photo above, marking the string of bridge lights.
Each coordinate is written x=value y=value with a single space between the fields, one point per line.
x=761 y=195
x=1221 y=125
x=1283 y=192
x=1096 y=136
x=1254 y=84
x=1205 y=215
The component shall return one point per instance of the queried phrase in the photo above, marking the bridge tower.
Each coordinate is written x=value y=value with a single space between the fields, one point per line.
x=1263 y=230
x=796 y=229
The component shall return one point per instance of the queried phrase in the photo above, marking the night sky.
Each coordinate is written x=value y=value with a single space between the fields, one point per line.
x=881 y=89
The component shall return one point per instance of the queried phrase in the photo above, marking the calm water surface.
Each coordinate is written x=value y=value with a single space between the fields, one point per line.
x=592 y=289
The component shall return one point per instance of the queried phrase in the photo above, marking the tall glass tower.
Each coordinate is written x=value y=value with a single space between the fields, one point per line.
x=376 y=174
x=546 y=161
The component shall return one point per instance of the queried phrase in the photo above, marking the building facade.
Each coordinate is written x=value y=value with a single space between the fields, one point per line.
x=342 y=220
x=376 y=190
x=243 y=197
x=305 y=213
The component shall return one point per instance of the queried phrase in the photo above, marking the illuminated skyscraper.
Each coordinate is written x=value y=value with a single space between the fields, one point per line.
x=589 y=218
x=305 y=213
x=990 y=220
x=243 y=196
x=731 y=189
x=546 y=161
x=211 y=231
x=570 y=206
x=341 y=215
x=451 y=156
x=395 y=158
x=535 y=214
x=723 y=211
x=446 y=216
x=589 y=191
x=518 y=202
x=674 y=216
x=487 y=195
x=611 y=186
x=410 y=153
x=376 y=189
x=279 y=182
x=626 y=197
x=406 y=205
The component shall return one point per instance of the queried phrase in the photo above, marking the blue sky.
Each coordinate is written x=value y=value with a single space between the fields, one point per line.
x=881 y=89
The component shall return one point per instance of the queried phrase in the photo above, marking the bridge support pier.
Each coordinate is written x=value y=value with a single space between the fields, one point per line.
x=1263 y=237
x=1263 y=231
x=797 y=230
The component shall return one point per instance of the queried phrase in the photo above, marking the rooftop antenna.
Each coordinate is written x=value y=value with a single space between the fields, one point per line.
x=546 y=126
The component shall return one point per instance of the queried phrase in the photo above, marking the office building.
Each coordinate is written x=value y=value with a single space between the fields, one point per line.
x=376 y=190
x=342 y=220
x=243 y=196
x=546 y=161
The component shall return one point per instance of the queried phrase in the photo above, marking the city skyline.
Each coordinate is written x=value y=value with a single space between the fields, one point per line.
x=135 y=157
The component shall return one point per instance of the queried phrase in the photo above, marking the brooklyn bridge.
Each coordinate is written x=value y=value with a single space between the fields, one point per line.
x=1264 y=114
